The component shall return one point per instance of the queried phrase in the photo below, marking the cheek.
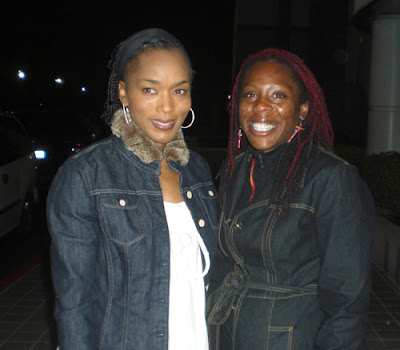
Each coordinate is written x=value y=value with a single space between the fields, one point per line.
x=182 y=101
x=183 y=108
x=290 y=126
x=140 y=108
x=187 y=103
x=242 y=112
x=290 y=113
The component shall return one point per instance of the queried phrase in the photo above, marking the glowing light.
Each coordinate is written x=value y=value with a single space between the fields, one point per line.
x=21 y=74
x=83 y=89
x=59 y=81
x=40 y=154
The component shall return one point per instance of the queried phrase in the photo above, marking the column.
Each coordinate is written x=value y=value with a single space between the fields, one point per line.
x=384 y=92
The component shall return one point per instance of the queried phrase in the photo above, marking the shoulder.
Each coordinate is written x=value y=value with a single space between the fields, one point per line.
x=91 y=157
x=325 y=157
x=95 y=150
x=335 y=175
x=326 y=163
x=95 y=153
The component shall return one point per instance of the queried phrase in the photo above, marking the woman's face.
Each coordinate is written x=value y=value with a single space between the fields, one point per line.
x=157 y=92
x=269 y=107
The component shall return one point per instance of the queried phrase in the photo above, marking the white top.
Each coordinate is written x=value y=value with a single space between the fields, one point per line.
x=187 y=323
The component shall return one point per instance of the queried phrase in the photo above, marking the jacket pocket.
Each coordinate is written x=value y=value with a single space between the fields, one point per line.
x=208 y=197
x=280 y=338
x=122 y=218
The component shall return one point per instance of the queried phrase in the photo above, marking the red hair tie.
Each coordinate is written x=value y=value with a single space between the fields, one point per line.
x=252 y=183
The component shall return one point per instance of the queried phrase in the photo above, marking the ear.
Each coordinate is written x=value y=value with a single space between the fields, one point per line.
x=304 y=110
x=122 y=93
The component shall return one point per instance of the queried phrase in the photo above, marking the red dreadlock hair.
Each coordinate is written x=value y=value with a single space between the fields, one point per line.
x=317 y=125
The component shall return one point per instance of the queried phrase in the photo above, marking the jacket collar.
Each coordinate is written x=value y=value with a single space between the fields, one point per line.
x=144 y=148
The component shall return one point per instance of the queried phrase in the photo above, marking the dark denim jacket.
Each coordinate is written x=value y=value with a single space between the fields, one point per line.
x=110 y=245
x=294 y=282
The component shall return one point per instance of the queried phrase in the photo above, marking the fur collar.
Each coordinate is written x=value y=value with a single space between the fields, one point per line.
x=143 y=147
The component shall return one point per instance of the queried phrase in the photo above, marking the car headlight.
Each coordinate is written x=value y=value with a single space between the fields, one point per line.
x=40 y=154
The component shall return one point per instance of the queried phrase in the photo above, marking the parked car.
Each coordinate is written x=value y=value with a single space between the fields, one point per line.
x=56 y=135
x=18 y=190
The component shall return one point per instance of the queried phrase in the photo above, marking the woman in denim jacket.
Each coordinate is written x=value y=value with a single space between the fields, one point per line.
x=133 y=217
x=293 y=272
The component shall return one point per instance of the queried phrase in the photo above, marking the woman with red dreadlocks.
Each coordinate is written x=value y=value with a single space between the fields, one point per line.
x=296 y=221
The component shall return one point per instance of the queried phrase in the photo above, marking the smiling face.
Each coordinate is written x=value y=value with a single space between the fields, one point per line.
x=157 y=92
x=269 y=107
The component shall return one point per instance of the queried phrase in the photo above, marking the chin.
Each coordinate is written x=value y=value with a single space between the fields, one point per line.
x=262 y=146
x=164 y=136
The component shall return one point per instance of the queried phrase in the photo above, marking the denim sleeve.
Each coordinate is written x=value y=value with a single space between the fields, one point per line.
x=72 y=225
x=345 y=223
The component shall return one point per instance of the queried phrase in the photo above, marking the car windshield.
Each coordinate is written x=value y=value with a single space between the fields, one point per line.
x=14 y=141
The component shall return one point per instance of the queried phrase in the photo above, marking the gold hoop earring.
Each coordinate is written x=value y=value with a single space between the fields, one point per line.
x=128 y=119
x=191 y=123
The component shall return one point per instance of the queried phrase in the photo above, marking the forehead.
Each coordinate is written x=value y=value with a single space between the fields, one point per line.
x=269 y=72
x=155 y=61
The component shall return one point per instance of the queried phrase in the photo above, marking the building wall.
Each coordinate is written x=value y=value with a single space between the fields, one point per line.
x=359 y=4
x=261 y=24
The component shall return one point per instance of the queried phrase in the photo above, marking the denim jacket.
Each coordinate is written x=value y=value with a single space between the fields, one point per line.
x=298 y=281
x=110 y=242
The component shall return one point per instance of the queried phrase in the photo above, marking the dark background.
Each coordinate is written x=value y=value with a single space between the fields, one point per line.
x=74 y=40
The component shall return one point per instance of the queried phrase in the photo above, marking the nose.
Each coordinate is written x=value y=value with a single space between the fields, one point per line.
x=262 y=104
x=165 y=103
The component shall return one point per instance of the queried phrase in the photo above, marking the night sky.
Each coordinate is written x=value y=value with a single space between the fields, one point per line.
x=74 y=39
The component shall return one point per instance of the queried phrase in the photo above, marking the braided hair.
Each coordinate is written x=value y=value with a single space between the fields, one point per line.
x=317 y=125
x=126 y=52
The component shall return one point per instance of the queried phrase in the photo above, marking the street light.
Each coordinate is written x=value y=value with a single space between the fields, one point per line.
x=21 y=74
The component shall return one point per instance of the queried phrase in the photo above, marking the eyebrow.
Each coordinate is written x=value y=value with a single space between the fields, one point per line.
x=158 y=82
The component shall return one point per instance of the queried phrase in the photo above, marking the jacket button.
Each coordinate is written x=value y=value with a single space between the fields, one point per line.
x=238 y=225
x=122 y=203
x=211 y=193
x=189 y=194
x=201 y=223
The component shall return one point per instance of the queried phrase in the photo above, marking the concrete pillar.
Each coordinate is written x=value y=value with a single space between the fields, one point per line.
x=384 y=93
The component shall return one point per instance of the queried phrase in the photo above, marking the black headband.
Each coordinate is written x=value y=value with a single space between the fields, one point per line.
x=135 y=42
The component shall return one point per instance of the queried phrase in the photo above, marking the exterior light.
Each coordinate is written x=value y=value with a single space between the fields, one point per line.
x=59 y=81
x=40 y=154
x=83 y=89
x=21 y=74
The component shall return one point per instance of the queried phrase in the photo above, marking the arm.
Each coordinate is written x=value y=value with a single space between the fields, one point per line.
x=72 y=225
x=345 y=223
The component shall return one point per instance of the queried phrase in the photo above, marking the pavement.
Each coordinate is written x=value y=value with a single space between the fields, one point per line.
x=26 y=308
x=27 y=323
